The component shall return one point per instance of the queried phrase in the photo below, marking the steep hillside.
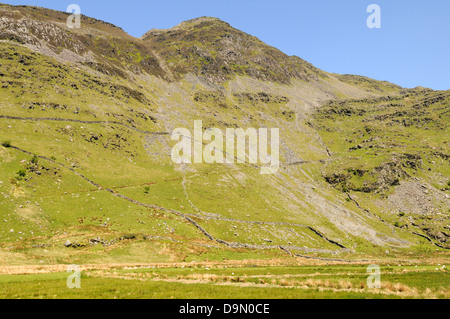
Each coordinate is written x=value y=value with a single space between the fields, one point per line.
x=85 y=169
x=392 y=153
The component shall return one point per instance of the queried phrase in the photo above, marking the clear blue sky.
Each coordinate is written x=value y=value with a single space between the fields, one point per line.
x=412 y=47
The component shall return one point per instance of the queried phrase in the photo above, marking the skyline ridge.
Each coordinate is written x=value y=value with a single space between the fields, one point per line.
x=409 y=54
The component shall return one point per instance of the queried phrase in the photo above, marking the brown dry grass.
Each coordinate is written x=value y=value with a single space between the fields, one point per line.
x=40 y=269
x=387 y=288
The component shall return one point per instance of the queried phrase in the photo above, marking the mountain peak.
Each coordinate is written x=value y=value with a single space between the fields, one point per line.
x=187 y=25
x=196 y=21
x=212 y=48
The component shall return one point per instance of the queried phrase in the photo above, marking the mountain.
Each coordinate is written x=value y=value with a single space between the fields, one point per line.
x=86 y=174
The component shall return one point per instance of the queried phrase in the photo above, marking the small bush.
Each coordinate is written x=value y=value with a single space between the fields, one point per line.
x=22 y=173
x=35 y=160
x=6 y=144
x=146 y=189
x=401 y=214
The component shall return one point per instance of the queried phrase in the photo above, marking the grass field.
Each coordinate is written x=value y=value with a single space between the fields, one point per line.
x=219 y=281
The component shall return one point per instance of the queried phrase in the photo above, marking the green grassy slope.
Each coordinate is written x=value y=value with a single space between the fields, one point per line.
x=96 y=106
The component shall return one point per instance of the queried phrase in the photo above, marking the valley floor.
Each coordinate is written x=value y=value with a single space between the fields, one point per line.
x=235 y=280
